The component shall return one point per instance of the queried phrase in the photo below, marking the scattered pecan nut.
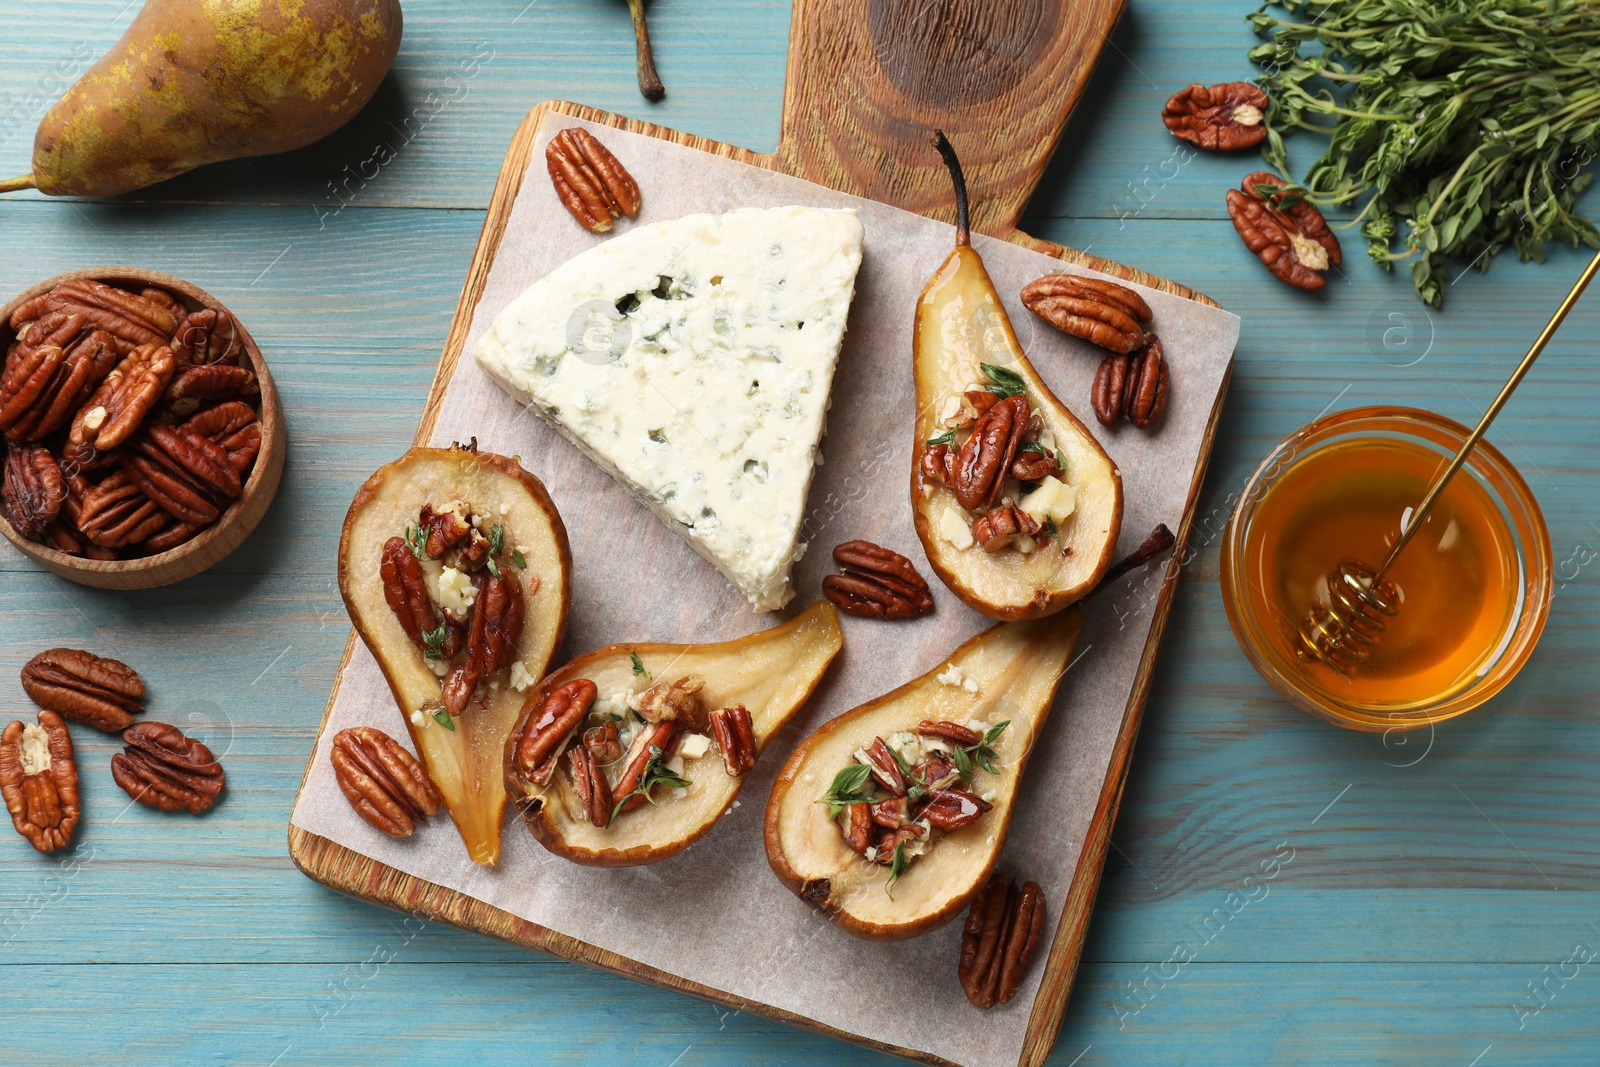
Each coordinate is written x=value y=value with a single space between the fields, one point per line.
x=405 y=590
x=589 y=782
x=998 y=942
x=1103 y=312
x=603 y=743
x=1222 y=118
x=209 y=382
x=491 y=641
x=119 y=406
x=953 y=732
x=1133 y=386
x=48 y=383
x=884 y=767
x=858 y=831
x=131 y=318
x=92 y=690
x=232 y=425
x=161 y=768
x=442 y=530
x=663 y=739
x=679 y=699
x=985 y=457
x=951 y=809
x=589 y=180
x=877 y=582
x=1002 y=527
x=734 y=732
x=39 y=781
x=383 y=782
x=1284 y=230
x=33 y=490
x=187 y=475
x=545 y=734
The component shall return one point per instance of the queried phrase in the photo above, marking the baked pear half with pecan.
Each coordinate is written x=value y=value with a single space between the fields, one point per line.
x=1015 y=502
x=630 y=754
x=890 y=817
x=455 y=569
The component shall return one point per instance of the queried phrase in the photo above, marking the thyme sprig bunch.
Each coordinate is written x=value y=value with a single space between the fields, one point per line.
x=1469 y=121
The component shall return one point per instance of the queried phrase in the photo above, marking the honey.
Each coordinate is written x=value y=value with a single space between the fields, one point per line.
x=1459 y=579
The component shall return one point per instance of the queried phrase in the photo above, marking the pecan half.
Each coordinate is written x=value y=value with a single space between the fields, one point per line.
x=232 y=425
x=885 y=768
x=1002 y=527
x=1110 y=315
x=33 y=489
x=117 y=513
x=442 y=530
x=161 y=768
x=938 y=771
x=892 y=813
x=206 y=337
x=492 y=640
x=88 y=689
x=998 y=942
x=734 y=733
x=1032 y=465
x=174 y=534
x=888 y=842
x=383 y=782
x=1285 y=231
x=985 y=457
x=39 y=781
x=858 y=830
x=130 y=317
x=205 y=383
x=1222 y=118
x=953 y=732
x=120 y=404
x=664 y=737
x=951 y=809
x=678 y=700
x=938 y=463
x=1133 y=386
x=542 y=739
x=405 y=590
x=165 y=299
x=51 y=382
x=589 y=782
x=603 y=743
x=186 y=474
x=877 y=582
x=589 y=180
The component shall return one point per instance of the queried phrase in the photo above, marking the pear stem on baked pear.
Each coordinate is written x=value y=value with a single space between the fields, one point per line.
x=1159 y=541
x=649 y=81
x=11 y=185
x=959 y=180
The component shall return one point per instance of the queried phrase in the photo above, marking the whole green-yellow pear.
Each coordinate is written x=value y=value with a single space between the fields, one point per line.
x=200 y=81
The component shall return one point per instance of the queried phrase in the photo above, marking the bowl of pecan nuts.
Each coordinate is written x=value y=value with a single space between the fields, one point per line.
x=143 y=438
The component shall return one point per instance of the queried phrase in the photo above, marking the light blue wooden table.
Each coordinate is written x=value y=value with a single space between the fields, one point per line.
x=1438 y=892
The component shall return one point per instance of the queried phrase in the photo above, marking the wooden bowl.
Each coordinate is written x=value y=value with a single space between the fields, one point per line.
x=229 y=531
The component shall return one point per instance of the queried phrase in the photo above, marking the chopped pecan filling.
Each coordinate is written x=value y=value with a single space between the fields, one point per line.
x=903 y=792
x=994 y=454
x=455 y=582
x=632 y=747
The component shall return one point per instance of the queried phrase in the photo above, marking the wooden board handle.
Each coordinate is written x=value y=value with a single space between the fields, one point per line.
x=870 y=80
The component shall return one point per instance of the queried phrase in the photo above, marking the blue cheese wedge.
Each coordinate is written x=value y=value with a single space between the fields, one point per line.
x=692 y=361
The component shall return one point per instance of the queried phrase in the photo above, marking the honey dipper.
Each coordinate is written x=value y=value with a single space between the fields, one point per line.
x=1341 y=632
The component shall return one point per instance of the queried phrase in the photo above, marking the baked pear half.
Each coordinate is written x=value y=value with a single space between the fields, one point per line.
x=454 y=567
x=630 y=754
x=890 y=817
x=1016 y=504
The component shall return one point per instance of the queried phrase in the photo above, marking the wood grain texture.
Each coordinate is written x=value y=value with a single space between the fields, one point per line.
x=1406 y=929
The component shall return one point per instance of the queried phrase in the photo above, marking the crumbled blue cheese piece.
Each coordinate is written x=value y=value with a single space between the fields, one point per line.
x=953 y=528
x=1053 y=501
x=692 y=361
x=520 y=678
x=456 y=591
x=952 y=676
x=693 y=746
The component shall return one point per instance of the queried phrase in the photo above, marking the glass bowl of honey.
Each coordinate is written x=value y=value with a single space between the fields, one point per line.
x=1474 y=585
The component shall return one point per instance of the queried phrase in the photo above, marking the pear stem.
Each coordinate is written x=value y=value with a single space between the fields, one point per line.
x=13 y=184
x=649 y=81
x=1158 y=542
x=959 y=180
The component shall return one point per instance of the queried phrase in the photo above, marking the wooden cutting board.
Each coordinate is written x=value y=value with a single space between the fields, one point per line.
x=868 y=82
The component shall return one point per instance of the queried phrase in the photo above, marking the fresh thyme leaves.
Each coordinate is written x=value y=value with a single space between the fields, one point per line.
x=946 y=438
x=897 y=867
x=1468 y=121
x=497 y=539
x=981 y=754
x=442 y=717
x=849 y=787
x=492 y=566
x=519 y=559
x=416 y=540
x=638 y=665
x=433 y=641
x=1003 y=382
x=655 y=773
x=1049 y=530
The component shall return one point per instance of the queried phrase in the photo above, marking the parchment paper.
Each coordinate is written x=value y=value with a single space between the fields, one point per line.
x=715 y=913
